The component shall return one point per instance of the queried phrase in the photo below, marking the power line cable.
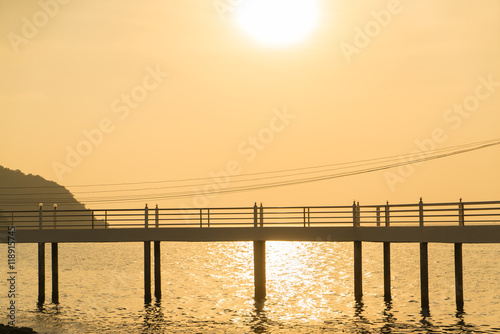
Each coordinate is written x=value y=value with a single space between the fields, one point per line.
x=353 y=164
x=134 y=198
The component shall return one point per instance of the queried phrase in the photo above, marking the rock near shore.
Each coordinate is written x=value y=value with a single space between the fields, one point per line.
x=15 y=330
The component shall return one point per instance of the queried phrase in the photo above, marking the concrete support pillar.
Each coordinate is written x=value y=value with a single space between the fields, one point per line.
x=387 y=271
x=424 y=276
x=459 y=279
x=358 y=271
x=41 y=261
x=55 y=273
x=387 y=259
x=157 y=254
x=259 y=259
x=147 y=272
x=41 y=273
x=147 y=261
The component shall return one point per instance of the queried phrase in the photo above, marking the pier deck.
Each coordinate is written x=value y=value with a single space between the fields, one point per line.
x=458 y=223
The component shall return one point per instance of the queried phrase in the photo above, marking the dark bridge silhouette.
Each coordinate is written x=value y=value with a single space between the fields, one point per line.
x=457 y=222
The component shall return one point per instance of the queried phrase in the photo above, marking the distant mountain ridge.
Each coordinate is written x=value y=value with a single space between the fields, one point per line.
x=19 y=191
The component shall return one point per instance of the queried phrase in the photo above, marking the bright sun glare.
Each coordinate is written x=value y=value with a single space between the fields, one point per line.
x=277 y=22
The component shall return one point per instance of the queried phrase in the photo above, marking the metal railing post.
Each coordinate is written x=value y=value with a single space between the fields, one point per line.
x=40 y=216
x=354 y=214
x=201 y=218
x=461 y=213
x=208 y=217
x=255 y=215
x=358 y=215
x=378 y=215
x=387 y=217
x=308 y=217
x=146 y=216
x=55 y=216
x=157 y=217
x=261 y=215
x=92 y=219
x=304 y=217
x=421 y=212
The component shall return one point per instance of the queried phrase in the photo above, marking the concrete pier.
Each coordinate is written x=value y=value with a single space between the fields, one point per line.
x=147 y=261
x=358 y=271
x=387 y=258
x=387 y=272
x=259 y=260
x=147 y=272
x=459 y=279
x=157 y=259
x=404 y=223
x=41 y=261
x=424 y=276
x=41 y=273
x=55 y=273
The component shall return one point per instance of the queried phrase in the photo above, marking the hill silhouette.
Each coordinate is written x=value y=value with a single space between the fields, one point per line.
x=19 y=191
x=24 y=192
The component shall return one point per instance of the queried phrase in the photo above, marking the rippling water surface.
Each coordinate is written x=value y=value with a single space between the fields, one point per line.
x=208 y=288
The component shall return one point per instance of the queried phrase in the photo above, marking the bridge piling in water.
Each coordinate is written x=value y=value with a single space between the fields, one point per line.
x=259 y=253
x=55 y=264
x=459 y=280
x=358 y=271
x=55 y=273
x=41 y=261
x=147 y=262
x=424 y=265
x=147 y=272
x=387 y=272
x=424 y=276
x=259 y=257
x=157 y=259
x=358 y=266
x=387 y=260
x=41 y=273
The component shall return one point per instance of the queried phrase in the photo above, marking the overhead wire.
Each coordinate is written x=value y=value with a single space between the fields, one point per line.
x=368 y=161
x=346 y=164
x=429 y=155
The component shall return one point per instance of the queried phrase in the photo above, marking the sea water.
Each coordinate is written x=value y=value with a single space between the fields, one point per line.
x=207 y=287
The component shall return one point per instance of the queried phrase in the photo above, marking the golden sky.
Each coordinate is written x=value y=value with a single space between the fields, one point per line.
x=121 y=91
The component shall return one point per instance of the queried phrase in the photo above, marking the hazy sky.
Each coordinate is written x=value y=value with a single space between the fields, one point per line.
x=122 y=91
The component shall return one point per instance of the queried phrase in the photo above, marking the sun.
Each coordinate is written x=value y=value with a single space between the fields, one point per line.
x=277 y=22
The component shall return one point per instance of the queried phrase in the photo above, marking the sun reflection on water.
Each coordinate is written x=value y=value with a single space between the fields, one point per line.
x=209 y=287
x=295 y=290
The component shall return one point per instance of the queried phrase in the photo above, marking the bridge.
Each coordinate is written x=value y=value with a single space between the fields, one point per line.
x=454 y=222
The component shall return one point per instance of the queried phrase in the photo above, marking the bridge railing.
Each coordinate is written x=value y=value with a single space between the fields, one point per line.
x=419 y=214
